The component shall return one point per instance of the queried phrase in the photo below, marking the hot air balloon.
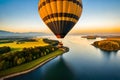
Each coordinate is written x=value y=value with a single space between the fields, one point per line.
x=60 y=15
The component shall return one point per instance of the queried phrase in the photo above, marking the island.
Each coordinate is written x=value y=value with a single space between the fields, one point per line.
x=89 y=37
x=109 y=44
x=17 y=55
x=94 y=36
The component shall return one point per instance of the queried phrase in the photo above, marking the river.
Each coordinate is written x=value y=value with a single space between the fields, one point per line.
x=82 y=62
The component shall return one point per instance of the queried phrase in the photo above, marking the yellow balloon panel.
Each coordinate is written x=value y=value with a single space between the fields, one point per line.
x=63 y=19
x=49 y=11
x=54 y=8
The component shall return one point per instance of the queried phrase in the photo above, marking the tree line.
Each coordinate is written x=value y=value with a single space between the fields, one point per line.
x=4 y=49
x=51 y=42
x=12 y=59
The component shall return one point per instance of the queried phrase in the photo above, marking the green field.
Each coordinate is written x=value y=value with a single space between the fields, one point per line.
x=16 y=46
x=28 y=66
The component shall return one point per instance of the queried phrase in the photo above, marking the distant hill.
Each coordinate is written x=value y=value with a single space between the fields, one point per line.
x=2 y=31
x=25 y=34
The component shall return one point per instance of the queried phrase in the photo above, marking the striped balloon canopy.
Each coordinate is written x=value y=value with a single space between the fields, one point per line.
x=60 y=15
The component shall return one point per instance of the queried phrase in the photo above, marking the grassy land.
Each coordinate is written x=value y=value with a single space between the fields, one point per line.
x=28 y=66
x=16 y=46
x=15 y=49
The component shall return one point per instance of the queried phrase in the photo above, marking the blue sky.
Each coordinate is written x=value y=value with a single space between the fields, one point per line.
x=22 y=16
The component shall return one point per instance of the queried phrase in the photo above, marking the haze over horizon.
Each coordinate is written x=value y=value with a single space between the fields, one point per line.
x=98 y=16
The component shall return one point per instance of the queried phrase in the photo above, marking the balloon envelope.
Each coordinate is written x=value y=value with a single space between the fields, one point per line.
x=60 y=15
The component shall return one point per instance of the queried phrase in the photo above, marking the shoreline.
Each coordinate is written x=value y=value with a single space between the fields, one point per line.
x=29 y=70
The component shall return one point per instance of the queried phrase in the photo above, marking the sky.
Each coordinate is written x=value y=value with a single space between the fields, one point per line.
x=98 y=16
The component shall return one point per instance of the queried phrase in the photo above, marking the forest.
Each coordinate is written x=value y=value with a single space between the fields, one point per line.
x=11 y=59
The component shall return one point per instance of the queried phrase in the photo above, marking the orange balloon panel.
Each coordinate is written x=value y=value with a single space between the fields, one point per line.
x=60 y=15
